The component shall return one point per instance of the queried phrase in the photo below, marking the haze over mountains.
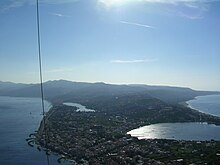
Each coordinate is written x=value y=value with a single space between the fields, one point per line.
x=62 y=90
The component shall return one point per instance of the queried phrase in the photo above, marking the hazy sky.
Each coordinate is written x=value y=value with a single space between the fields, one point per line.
x=160 y=42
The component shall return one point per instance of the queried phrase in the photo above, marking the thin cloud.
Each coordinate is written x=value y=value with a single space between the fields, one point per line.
x=113 y=2
x=192 y=17
x=190 y=9
x=59 y=15
x=179 y=1
x=55 y=70
x=19 y=3
x=59 y=70
x=133 y=61
x=191 y=5
x=12 y=4
x=7 y=5
x=137 y=24
x=57 y=1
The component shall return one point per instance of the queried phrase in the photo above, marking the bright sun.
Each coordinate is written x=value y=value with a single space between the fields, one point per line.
x=114 y=2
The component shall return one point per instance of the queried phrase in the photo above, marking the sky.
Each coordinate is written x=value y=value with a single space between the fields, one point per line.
x=154 y=42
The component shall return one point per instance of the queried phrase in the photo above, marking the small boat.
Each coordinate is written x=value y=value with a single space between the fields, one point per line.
x=38 y=147
x=30 y=143
x=59 y=160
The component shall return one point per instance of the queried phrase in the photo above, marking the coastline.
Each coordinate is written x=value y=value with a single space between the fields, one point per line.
x=188 y=105
x=41 y=147
x=185 y=104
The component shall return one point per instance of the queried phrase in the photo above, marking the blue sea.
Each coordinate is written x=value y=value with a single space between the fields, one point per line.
x=209 y=104
x=18 y=118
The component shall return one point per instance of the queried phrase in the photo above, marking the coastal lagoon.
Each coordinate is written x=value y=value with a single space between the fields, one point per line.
x=178 y=131
x=18 y=118
x=186 y=131
x=80 y=108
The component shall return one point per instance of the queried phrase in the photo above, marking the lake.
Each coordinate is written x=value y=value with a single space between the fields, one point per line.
x=186 y=131
x=80 y=108
x=18 y=118
x=178 y=131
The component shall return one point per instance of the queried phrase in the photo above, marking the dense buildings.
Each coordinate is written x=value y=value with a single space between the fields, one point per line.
x=100 y=137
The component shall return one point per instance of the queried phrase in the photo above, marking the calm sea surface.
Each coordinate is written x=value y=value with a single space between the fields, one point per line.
x=186 y=131
x=18 y=118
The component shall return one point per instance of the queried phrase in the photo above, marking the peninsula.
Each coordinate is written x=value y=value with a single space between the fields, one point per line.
x=101 y=137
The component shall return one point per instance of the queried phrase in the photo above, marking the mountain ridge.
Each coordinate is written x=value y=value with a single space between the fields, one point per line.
x=64 y=90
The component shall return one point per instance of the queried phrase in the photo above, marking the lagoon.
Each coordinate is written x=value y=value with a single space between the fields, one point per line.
x=80 y=108
x=186 y=131
x=178 y=131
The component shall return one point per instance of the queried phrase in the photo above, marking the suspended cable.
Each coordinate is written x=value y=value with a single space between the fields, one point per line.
x=41 y=78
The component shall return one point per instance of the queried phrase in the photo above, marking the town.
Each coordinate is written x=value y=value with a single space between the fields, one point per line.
x=101 y=138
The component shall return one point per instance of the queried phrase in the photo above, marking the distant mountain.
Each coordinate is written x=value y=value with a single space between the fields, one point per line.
x=7 y=87
x=51 y=89
x=62 y=90
x=174 y=95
